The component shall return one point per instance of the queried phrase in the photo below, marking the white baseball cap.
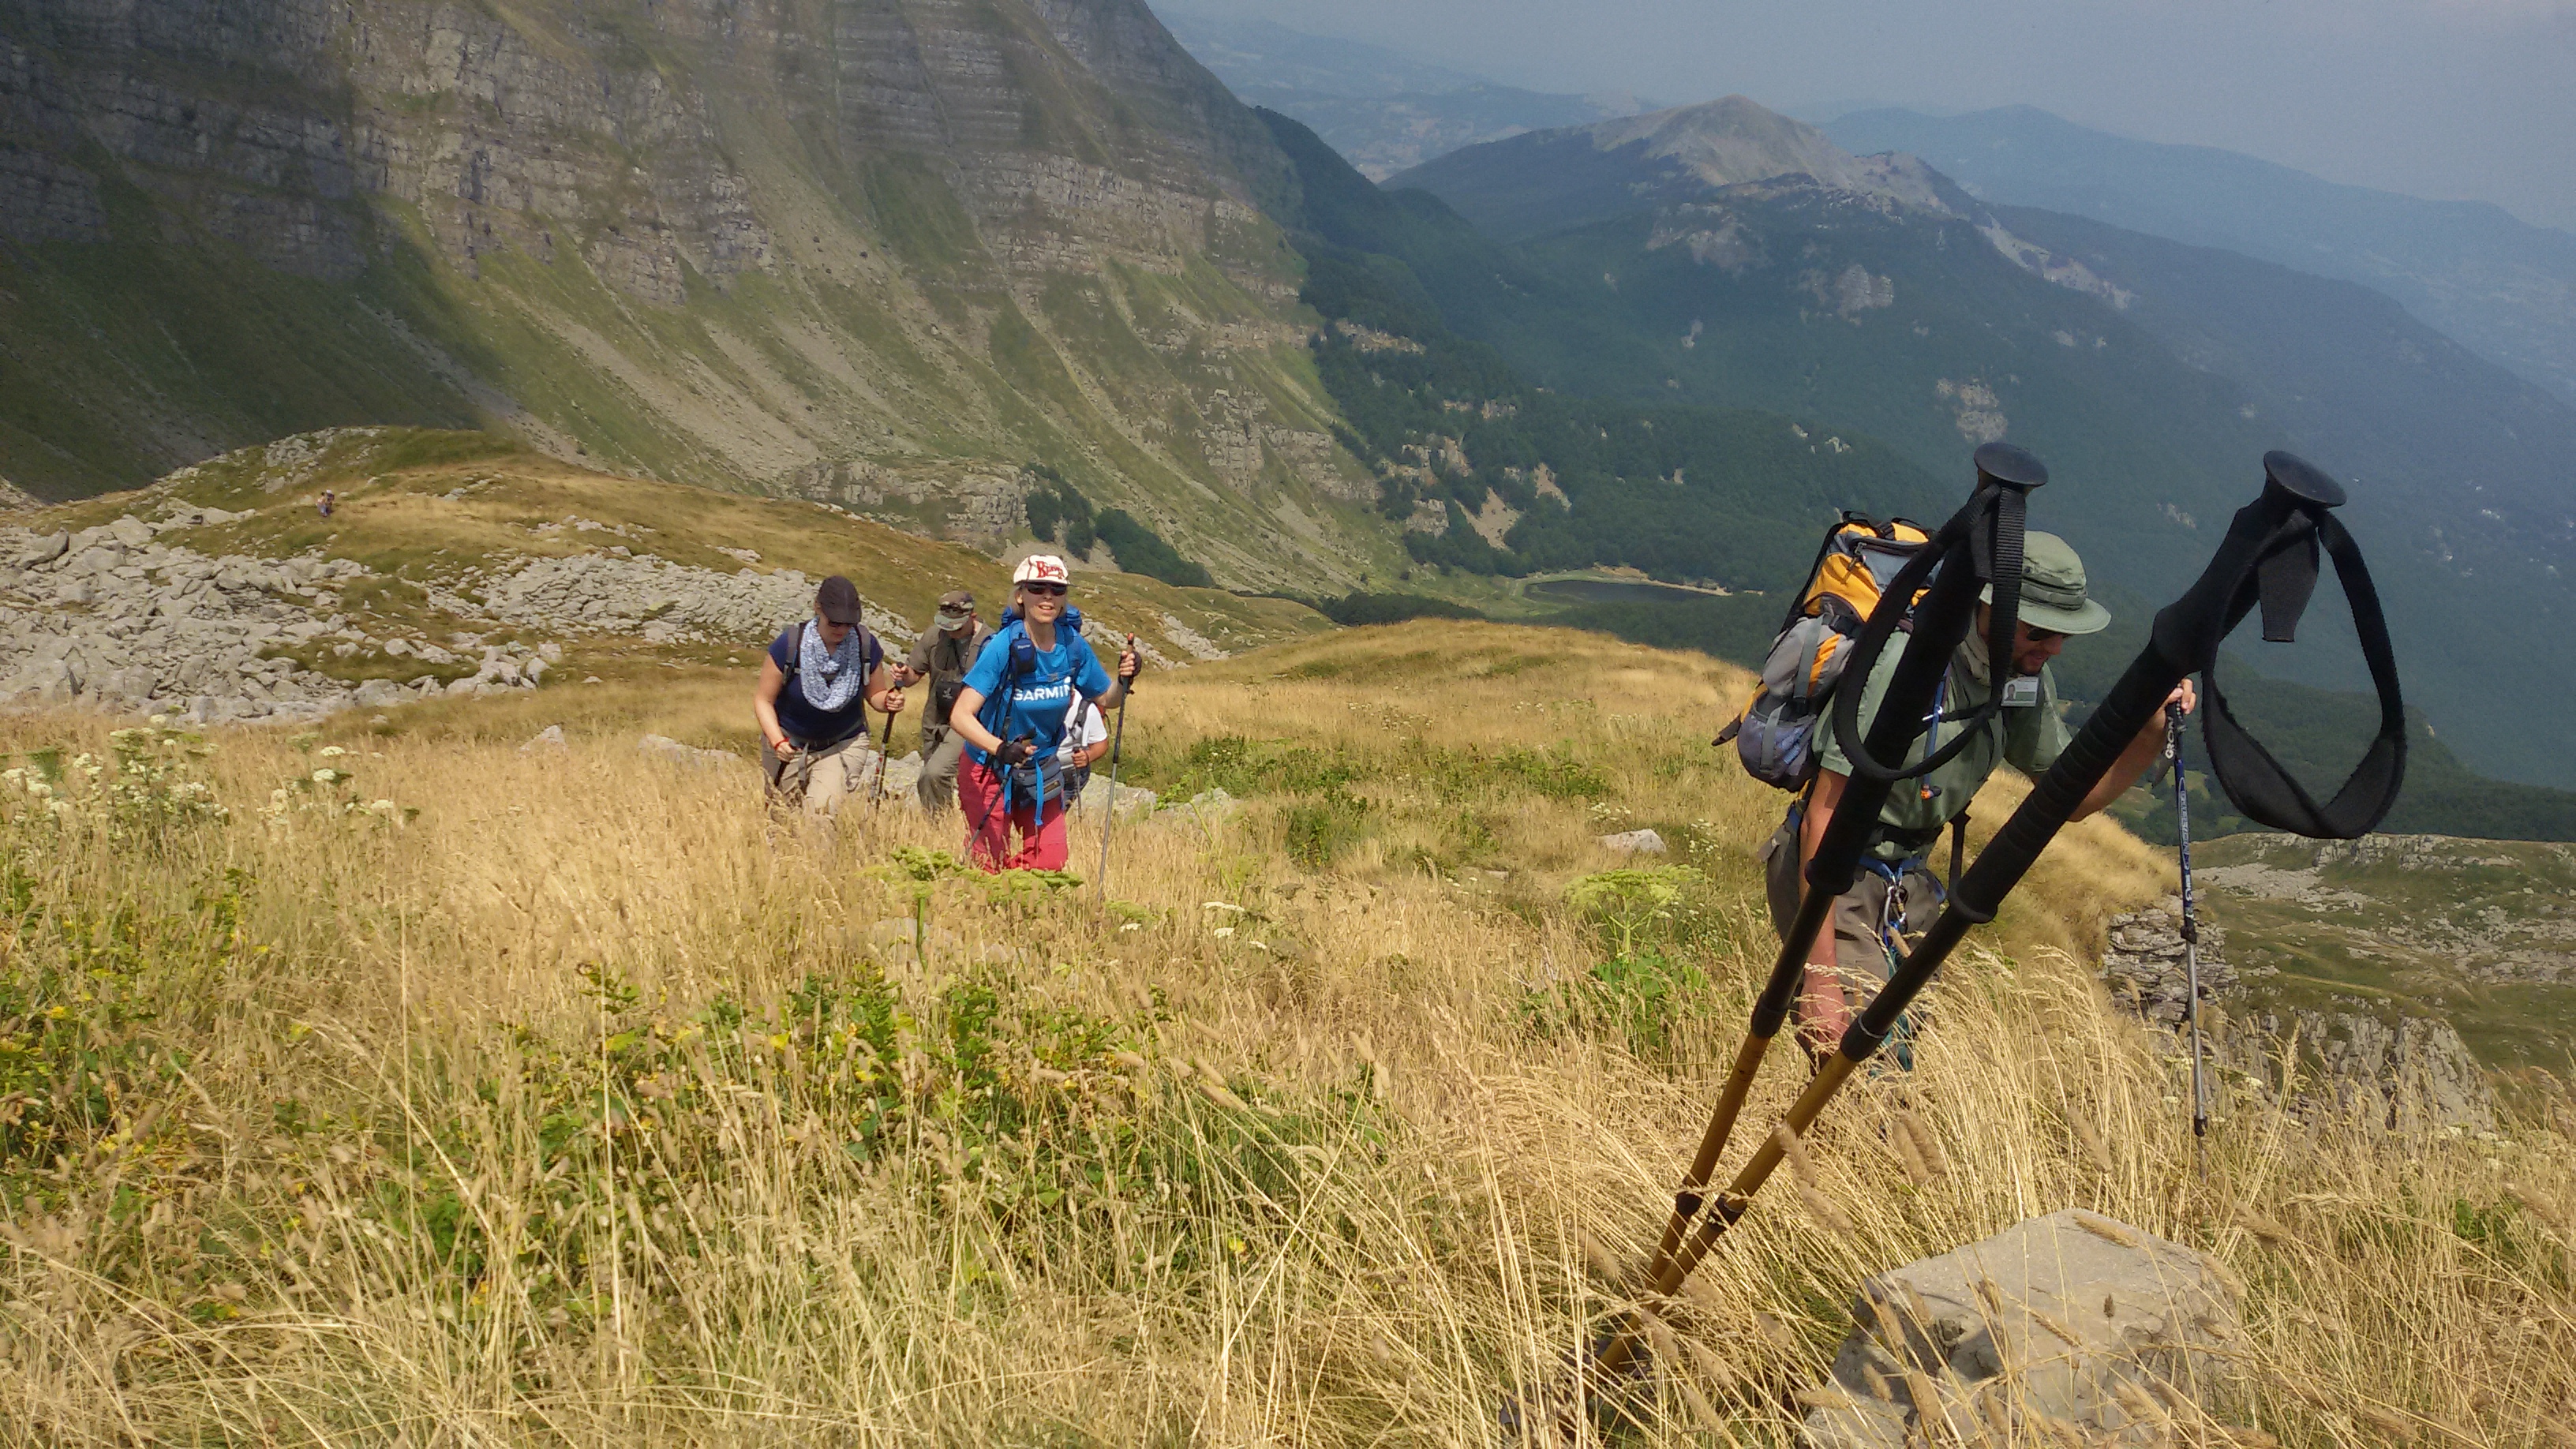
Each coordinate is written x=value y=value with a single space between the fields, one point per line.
x=1041 y=568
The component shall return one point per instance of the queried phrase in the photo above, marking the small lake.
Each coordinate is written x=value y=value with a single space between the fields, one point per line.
x=1613 y=591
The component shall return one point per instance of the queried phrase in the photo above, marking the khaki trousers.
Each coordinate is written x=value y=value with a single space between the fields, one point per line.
x=817 y=778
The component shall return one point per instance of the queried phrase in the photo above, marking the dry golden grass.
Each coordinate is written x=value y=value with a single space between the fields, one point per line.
x=509 y=1124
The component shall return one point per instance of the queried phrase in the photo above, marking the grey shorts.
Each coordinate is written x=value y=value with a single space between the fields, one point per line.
x=1866 y=919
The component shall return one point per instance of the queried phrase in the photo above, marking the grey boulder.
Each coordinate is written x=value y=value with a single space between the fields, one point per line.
x=45 y=550
x=680 y=754
x=2069 y=1324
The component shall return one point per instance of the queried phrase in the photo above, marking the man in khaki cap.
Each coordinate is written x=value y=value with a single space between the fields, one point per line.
x=942 y=655
x=1897 y=894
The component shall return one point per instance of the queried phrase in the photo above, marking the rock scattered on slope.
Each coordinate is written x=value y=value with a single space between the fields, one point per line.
x=662 y=601
x=118 y=618
x=1633 y=842
x=680 y=754
x=2068 y=1328
x=2145 y=964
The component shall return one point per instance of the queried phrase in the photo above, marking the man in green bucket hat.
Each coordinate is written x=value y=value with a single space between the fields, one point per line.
x=1897 y=894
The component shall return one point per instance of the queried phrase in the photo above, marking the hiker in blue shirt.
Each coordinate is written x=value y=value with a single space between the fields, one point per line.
x=1012 y=715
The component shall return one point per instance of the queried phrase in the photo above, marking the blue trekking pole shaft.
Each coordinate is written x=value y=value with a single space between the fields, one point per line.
x=2190 y=921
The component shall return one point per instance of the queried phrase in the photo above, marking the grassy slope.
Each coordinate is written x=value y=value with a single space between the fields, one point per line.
x=670 y=1138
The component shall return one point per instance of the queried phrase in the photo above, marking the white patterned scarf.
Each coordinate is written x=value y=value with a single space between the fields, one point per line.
x=831 y=677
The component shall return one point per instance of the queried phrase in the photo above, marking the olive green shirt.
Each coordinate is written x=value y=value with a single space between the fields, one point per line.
x=2028 y=736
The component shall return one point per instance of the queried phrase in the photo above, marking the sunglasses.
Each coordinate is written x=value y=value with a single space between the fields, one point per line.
x=2043 y=636
x=1053 y=591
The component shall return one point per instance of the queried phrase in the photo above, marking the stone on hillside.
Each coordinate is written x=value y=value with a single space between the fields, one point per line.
x=678 y=753
x=549 y=740
x=376 y=694
x=2064 y=1327
x=901 y=776
x=1633 y=842
x=1130 y=799
x=2144 y=964
x=45 y=550
x=1206 y=807
x=127 y=686
x=131 y=531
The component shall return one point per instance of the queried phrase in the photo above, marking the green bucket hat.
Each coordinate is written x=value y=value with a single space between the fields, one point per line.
x=2052 y=588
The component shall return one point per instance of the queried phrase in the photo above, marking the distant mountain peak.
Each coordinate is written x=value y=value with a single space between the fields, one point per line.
x=1735 y=139
x=1572 y=176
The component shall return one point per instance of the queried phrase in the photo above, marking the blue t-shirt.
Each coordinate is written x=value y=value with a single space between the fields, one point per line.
x=1039 y=697
x=796 y=714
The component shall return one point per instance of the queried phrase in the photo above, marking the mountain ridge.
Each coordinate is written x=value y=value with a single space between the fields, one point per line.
x=2499 y=284
x=882 y=257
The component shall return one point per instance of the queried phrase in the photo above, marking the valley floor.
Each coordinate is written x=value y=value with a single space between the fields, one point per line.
x=438 y=1091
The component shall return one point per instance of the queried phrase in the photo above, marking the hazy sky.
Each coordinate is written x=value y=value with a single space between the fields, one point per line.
x=2446 y=98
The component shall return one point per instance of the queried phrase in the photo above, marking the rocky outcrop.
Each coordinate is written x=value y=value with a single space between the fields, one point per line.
x=2067 y=1328
x=2145 y=967
x=2406 y=1073
x=660 y=601
x=120 y=617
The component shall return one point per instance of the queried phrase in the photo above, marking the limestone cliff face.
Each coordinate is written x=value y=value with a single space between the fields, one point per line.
x=739 y=243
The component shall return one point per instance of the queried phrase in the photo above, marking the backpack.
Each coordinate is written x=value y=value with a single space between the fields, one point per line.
x=1040 y=780
x=1774 y=733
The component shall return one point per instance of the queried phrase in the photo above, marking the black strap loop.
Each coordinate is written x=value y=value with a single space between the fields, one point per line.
x=2263 y=790
x=1992 y=546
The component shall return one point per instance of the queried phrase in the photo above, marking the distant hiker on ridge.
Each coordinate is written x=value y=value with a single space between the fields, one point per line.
x=1897 y=895
x=821 y=678
x=1012 y=713
x=942 y=656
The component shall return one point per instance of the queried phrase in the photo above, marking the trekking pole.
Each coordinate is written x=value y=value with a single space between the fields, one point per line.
x=2269 y=556
x=1985 y=539
x=885 y=762
x=1109 y=802
x=2190 y=940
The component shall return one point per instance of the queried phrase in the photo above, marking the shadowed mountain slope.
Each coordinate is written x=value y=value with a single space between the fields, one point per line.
x=880 y=253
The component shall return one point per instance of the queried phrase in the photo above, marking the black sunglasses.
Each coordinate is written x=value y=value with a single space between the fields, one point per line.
x=1053 y=590
x=2042 y=636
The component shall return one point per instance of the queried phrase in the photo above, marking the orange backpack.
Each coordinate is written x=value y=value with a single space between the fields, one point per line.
x=1774 y=733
